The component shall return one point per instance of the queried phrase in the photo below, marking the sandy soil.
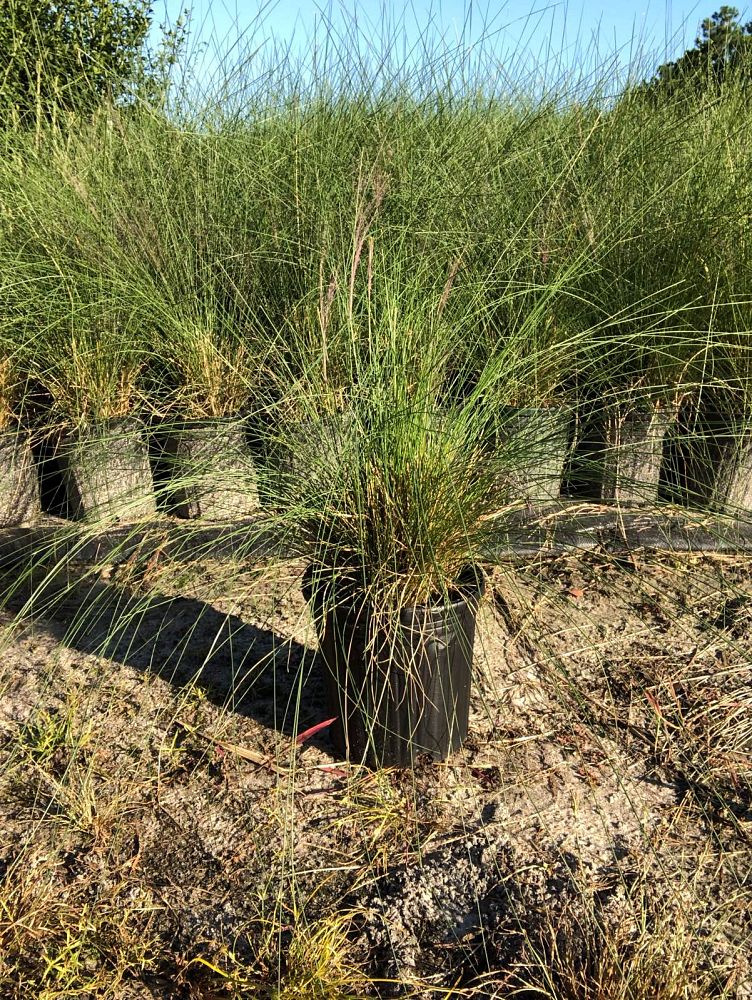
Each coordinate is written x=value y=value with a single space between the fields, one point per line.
x=150 y=772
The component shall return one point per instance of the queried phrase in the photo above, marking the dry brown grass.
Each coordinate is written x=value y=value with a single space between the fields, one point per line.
x=643 y=951
x=8 y=395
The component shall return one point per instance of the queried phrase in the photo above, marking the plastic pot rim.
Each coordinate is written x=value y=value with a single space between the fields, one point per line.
x=469 y=587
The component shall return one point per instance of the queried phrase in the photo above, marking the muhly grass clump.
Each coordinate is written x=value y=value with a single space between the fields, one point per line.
x=391 y=480
x=92 y=377
x=202 y=371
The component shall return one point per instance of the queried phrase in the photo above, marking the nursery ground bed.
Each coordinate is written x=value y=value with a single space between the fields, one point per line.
x=152 y=786
x=559 y=526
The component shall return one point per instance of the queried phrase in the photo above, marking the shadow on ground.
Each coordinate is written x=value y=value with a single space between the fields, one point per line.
x=241 y=667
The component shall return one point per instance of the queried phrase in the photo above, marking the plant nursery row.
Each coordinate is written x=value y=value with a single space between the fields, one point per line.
x=220 y=470
x=545 y=277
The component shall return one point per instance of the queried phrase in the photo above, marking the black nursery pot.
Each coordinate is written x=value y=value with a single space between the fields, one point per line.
x=711 y=460
x=537 y=437
x=105 y=470
x=399 y=692
x=206 y=469
x=19 y=487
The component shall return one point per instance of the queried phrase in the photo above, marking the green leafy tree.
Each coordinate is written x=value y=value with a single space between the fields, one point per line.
x=722 y=50
x=73 y=54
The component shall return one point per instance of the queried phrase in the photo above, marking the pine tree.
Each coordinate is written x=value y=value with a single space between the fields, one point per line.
x=722 y=49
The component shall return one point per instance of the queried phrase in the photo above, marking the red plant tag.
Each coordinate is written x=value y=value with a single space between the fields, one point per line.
x=308 y=733
x=655 y=703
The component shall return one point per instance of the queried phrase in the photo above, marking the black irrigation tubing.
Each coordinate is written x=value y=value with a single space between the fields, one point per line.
x=567 y=525
x=558 y=527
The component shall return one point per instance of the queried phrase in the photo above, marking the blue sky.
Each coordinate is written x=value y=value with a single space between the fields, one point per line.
x=547 y=38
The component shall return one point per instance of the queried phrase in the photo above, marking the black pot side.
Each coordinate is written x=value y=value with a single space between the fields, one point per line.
x=19 y=483
x=616 y=455
x=207 y=469
x=106 y=472
x=309 y=449
x=712 y=453
x=536 y=439
x=402 y=692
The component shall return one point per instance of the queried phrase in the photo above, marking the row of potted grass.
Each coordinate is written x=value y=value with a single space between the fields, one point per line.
x=697 y=452
x=207 y=468
x=694 y=453
x=118 y=471
x=369 y=237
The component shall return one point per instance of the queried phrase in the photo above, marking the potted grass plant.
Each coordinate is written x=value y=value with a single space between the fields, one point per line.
x=716 y=444
x=203 y=457
x=537 y=434
x=19 y=486
x=91 y=375
x=312 y=370
x=631 y=450
x=394 y=517
x=529 y=331
x=629 y=386
x=616 y=447
x=393 y=580
x=715 y=432
x=532 y=419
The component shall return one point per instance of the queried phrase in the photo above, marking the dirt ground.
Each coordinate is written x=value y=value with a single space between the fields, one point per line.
x=165 y=835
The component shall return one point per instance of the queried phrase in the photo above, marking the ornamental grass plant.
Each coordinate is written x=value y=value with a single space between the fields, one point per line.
x=92 y=376
x=396 y=490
